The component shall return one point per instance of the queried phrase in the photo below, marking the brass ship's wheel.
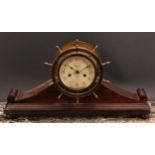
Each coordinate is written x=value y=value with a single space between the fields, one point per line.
x=77 y=69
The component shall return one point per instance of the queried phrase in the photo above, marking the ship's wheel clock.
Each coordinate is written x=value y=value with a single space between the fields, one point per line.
x=77 y=88
x=77 y=72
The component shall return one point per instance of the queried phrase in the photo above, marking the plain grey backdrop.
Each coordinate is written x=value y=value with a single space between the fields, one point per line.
x=132 y=57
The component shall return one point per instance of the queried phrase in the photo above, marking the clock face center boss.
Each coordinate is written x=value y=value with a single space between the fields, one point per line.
x=77 y=69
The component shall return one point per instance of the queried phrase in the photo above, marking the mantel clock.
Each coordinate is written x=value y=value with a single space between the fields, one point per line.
x=77 y=88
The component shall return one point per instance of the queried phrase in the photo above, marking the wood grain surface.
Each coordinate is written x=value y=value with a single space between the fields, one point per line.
x=98 y=119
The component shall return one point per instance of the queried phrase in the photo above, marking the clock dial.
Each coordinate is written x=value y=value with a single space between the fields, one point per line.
x=77 y=72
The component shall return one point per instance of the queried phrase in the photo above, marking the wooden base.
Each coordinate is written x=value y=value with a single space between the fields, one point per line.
x=107 y=109
x=43 y=101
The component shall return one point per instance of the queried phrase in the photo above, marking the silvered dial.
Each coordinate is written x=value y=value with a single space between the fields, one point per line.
x=77 y=72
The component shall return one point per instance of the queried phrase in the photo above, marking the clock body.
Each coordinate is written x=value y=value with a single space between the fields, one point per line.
x=77 y=70
x=77 y=73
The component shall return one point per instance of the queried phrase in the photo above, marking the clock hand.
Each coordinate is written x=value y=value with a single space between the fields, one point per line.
x=71 y=67
x=85 y=68
x=76 y=71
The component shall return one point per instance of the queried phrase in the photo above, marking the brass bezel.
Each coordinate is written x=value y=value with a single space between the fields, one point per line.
x=76 y=93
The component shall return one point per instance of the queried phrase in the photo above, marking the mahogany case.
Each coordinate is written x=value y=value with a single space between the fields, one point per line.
x=43 y=100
